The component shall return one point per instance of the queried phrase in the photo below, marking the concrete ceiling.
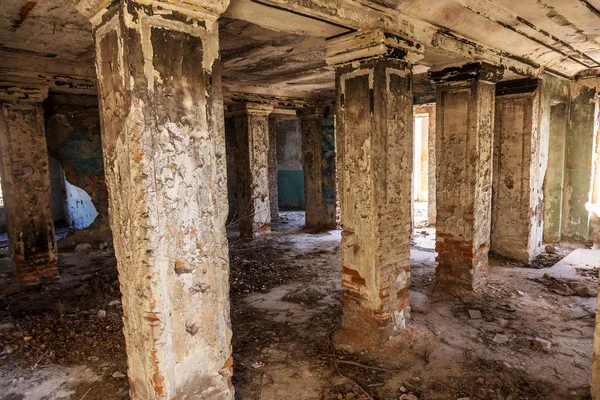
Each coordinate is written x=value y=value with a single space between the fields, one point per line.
x=272 y=51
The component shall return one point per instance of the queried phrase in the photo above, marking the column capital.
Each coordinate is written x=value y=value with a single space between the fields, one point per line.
x=518 y=86
x=201 y=9
x=283 y=113
x=22 y=92
x=375 y=43
x=479 y=70
x=310 y=113
x=249 y=108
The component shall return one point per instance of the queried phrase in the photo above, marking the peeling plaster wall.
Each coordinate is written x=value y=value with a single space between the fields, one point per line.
x=290 y=176
x=73 y=135
x=579 y=156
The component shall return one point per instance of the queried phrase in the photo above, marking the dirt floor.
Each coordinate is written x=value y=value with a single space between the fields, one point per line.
x=65 y=341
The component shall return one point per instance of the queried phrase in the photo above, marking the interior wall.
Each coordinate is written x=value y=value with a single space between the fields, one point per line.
x=421 y=158
x=74 y=140
x=579 y=159
x=290 y=177
x=57 y=190
x=80 y=210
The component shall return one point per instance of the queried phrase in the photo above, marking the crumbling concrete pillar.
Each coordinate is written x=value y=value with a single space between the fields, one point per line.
x=251 y=122
x=272 y=154
x=164 y=156
x=519 y=163
x=431 y=182
x=375 y=158
x=464 y=133
x=26 y=183
x=318 y=163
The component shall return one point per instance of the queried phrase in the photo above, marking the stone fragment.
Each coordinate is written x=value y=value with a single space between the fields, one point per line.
x=83 y=247
x=550 y=249
x=475 y=314
x=7 y=326
x=500 y=338
x=118 y=375
x=102 y=314
x=409 y=396
x=540 y=343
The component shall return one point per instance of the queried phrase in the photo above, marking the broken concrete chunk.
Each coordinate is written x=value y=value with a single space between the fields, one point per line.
x=409 y=396
x=541 y=343
x=118 y=375
x=475 y=314
x=8 y=326
x=500 y=338
x=83 y=247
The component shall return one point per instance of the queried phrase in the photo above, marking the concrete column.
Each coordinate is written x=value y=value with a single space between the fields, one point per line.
x=465 y=124
x=519 y=162
x=231 y=154
x=553 y=188
x=164 y=156
x=251 y=122
x=318 y=163
x=26 y=183
x=375 y=158
x=431 y=168
x=272 y=154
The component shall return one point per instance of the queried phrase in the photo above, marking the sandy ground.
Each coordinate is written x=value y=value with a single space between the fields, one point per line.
x=66 y=340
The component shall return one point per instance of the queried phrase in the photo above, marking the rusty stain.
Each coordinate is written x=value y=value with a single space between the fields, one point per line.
x=158 y=381
x=152 y=317
x=24 y=13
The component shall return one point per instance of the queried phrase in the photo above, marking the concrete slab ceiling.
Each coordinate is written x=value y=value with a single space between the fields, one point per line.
x=276 y=47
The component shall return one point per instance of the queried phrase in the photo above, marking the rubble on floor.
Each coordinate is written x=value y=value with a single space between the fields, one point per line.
x=514 y=339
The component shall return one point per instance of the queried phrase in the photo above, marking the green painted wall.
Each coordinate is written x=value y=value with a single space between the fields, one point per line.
x=290 y=177
x=290 y=189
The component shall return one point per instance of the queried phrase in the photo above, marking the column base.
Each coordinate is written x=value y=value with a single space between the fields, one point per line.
x=31 y=275
x=459 y=267
x=255 y=231
x=363 y=327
